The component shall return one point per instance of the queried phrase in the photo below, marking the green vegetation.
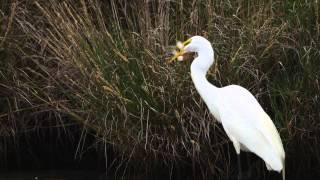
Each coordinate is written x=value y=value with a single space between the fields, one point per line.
x=102 y=65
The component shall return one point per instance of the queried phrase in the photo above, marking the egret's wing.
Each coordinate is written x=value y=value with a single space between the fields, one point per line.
x=246 y=106
x=266 y=126
x=245 y=119
x=242 y=131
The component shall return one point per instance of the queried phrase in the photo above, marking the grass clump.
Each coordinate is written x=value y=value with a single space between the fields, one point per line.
x=101 y=65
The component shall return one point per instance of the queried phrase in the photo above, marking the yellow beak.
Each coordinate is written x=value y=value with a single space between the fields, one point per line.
x=179 y=49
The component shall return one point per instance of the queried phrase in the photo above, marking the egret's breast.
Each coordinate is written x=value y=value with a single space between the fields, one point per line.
x=211 y=98
x=212 y=106
x=215 y=112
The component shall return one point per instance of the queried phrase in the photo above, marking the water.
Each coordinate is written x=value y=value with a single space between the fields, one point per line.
x=53 y=175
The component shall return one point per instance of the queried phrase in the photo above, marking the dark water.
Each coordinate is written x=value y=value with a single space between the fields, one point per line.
x=61 y=175
x=37 y=157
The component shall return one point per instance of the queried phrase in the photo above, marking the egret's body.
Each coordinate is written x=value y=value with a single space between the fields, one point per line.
x=243 y=119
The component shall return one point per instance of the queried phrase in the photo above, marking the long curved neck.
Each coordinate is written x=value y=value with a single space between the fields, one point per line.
x=199 y=68
x=201 y=65
x=198 y=75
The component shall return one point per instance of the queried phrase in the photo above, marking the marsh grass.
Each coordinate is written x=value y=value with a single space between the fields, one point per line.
x=102 y=65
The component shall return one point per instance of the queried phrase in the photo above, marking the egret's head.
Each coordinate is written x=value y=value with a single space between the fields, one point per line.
x=193 y=44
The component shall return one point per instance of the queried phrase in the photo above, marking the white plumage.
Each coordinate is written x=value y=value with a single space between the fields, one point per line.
x=243 y=119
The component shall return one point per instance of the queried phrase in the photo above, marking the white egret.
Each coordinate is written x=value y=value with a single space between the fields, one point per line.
x=245 y=122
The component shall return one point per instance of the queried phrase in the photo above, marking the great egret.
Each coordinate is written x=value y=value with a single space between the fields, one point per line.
x=245 y=122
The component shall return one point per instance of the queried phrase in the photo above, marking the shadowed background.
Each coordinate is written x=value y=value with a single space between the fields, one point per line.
x=85 y=84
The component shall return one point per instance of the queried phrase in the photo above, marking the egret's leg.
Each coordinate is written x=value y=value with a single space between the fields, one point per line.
x=239 y=167
x=236 y=145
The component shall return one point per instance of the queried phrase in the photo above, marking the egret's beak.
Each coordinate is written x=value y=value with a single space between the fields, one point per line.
x=179 y=50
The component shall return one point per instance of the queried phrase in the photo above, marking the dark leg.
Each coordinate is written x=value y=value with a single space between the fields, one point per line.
x=239 y=167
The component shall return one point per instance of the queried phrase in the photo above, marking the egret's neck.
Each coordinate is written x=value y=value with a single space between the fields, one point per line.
x=199 y=68
x=198 y=75
x=201 y=65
